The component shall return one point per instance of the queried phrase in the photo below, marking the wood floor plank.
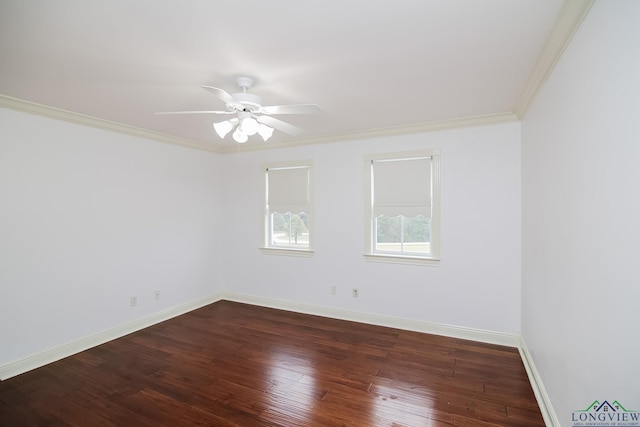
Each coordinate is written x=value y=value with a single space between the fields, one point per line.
x=232 y=364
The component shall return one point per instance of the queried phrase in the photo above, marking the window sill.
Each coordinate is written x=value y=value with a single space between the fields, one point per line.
x=305 y=253
x=399 y=259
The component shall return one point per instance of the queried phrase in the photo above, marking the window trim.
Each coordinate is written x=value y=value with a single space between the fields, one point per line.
x=279 y=250
x=369 y=254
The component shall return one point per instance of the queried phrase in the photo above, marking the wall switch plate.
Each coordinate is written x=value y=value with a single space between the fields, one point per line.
x=133 y=301
x=355 y=292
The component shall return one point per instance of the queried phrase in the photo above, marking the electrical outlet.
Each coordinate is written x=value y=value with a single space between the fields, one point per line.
x=157 y=294
x=355 y=292
x=333 y=290
x=133 y=301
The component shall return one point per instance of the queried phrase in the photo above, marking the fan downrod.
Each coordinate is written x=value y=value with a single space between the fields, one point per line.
x=249 y=101
x=244 y=83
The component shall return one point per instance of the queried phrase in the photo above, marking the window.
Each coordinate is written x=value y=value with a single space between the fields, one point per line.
x=403 y=207
x=288 y=216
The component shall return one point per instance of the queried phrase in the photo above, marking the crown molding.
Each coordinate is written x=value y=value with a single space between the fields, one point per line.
x=380 y=132
x=83 y=119
x=567 y=23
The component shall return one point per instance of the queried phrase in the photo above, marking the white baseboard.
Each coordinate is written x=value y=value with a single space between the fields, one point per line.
x=544 y=402
x=491 y=337
x=40 y=359
x=48 y=356
x=512 y=340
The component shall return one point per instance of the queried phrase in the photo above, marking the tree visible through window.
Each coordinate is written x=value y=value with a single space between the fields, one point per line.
x=289 y=230
x=403 y=204
x=403 y=234
x=288 y=206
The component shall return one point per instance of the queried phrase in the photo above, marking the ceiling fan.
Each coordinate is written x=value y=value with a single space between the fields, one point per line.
x=251 y=116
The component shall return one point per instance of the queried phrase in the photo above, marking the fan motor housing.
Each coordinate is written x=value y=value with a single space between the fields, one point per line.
x=250 y=101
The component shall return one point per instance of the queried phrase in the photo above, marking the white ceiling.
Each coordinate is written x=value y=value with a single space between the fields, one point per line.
x=368 y=64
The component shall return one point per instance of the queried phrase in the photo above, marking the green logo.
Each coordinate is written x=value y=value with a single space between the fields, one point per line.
x=605 y=414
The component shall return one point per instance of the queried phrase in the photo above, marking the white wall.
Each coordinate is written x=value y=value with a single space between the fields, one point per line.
x=477 y=284
x=581 y=216
x=89 y=218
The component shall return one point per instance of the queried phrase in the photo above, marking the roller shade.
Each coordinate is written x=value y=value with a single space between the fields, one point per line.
x=402 y=187
x=288 y=189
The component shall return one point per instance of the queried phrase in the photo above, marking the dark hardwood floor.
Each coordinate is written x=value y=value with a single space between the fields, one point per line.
x=231 y=364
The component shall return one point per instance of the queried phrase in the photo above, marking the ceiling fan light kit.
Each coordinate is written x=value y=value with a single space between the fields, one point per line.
x=239 y=136
x=251 y=116
x=265 y=131
x=223 y=128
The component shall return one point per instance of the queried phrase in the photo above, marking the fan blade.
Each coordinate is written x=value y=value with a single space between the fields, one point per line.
x=197 y=112
x=223 y=95
x=290 y=109
x=280 y=125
